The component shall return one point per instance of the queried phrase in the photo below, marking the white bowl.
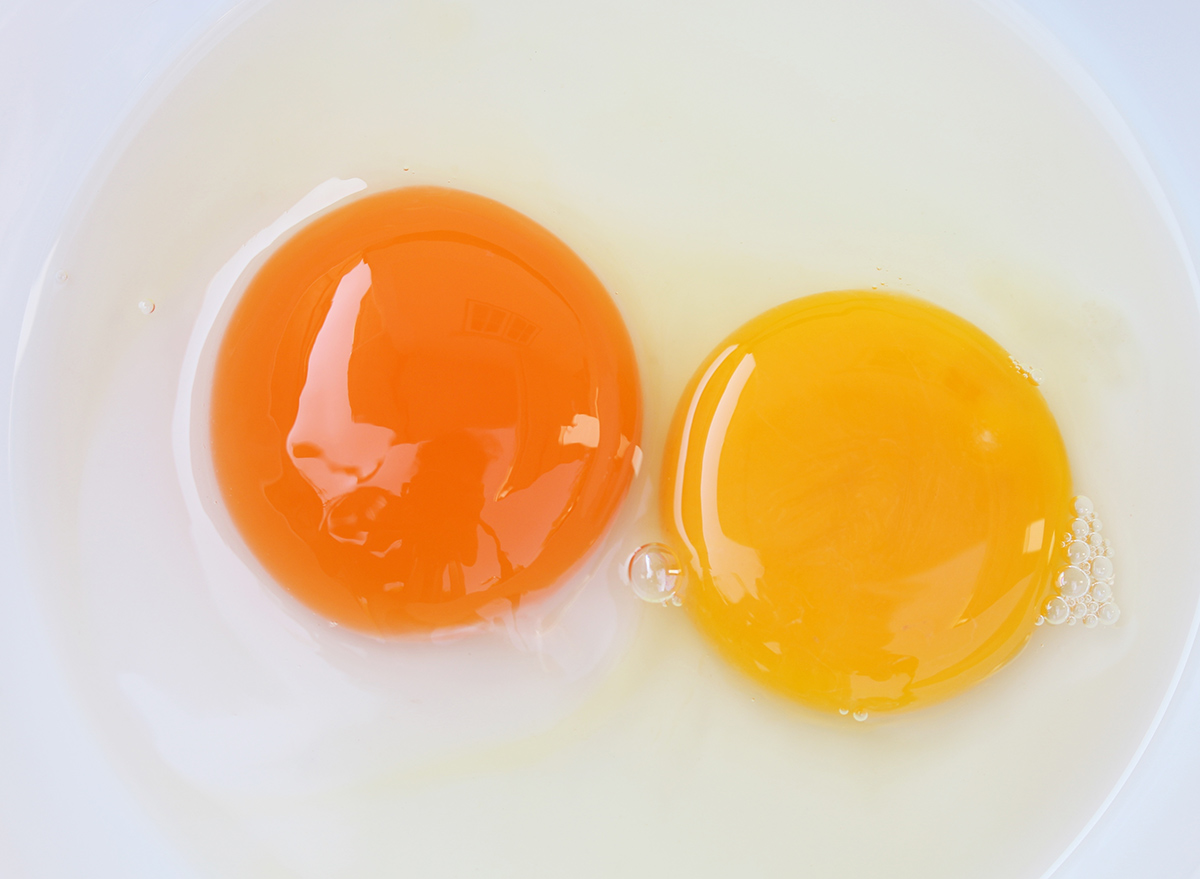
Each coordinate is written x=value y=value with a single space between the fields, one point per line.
x=81 y=793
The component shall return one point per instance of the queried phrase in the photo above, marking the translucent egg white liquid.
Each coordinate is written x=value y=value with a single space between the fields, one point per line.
x=708 y=161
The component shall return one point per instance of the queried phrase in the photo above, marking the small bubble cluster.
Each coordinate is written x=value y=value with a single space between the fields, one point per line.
x=1085 y=583
x=860 y=715
x=1032 y=373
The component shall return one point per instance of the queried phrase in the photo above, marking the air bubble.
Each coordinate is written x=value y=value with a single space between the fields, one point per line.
x=1078 y=552
x=1102 y=568
x=1073 y=581
x=60 y=276
x=1032 y=373
x=1095 y=539
x=1080 y=528
x=1083 y=506
x=1079 y=611
x=655 y=575
x=1108 y=613
x=1102 y=592
x=1097 y=525
x=1040 y=621
x=843 y=711
x=1057 y=611
x=860 y=716
x=146 y=306
x=1090 y=621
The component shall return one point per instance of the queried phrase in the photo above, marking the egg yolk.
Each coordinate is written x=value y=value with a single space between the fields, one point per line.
x=424 y=407
x=867 y=492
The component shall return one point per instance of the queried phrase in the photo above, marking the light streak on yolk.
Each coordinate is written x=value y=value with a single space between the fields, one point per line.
x=424 y=407
x=868 y=494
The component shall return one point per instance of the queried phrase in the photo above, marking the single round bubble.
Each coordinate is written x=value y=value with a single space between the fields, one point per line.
x=860 y=716
x=1057 y=611
x=1083 y=506
x=1102 y=568
x=1102 y=592
x=1079 y=611
x=146 y=306
x=1080 y=528
x=1090 y=621
x=1108 y=613
x=655 y=575
x=1095 y=539
x=1073 y=581
x=1097 y=525
x=1078 y=552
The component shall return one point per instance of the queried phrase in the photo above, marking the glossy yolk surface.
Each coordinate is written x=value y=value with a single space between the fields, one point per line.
x=868 y=493
x=425 y=406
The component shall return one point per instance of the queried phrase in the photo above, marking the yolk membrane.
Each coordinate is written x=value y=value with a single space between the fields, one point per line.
x=868 y=493
x=425 y=406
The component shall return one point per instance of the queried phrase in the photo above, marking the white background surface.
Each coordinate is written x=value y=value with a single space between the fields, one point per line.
x=64 y=84
x=1143 y=54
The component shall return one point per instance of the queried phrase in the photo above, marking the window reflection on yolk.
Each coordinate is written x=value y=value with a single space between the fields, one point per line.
x=424 y=407
x=869 y=494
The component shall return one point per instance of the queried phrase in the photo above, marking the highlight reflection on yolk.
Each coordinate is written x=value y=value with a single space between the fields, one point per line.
x=868 y=493
x=424 y=407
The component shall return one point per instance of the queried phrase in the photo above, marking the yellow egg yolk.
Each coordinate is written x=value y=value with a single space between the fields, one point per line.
x=424 y=408
x=867 y=492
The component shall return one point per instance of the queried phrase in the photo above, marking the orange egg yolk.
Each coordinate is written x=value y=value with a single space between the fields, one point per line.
x=868 y=494
x=424 y=407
